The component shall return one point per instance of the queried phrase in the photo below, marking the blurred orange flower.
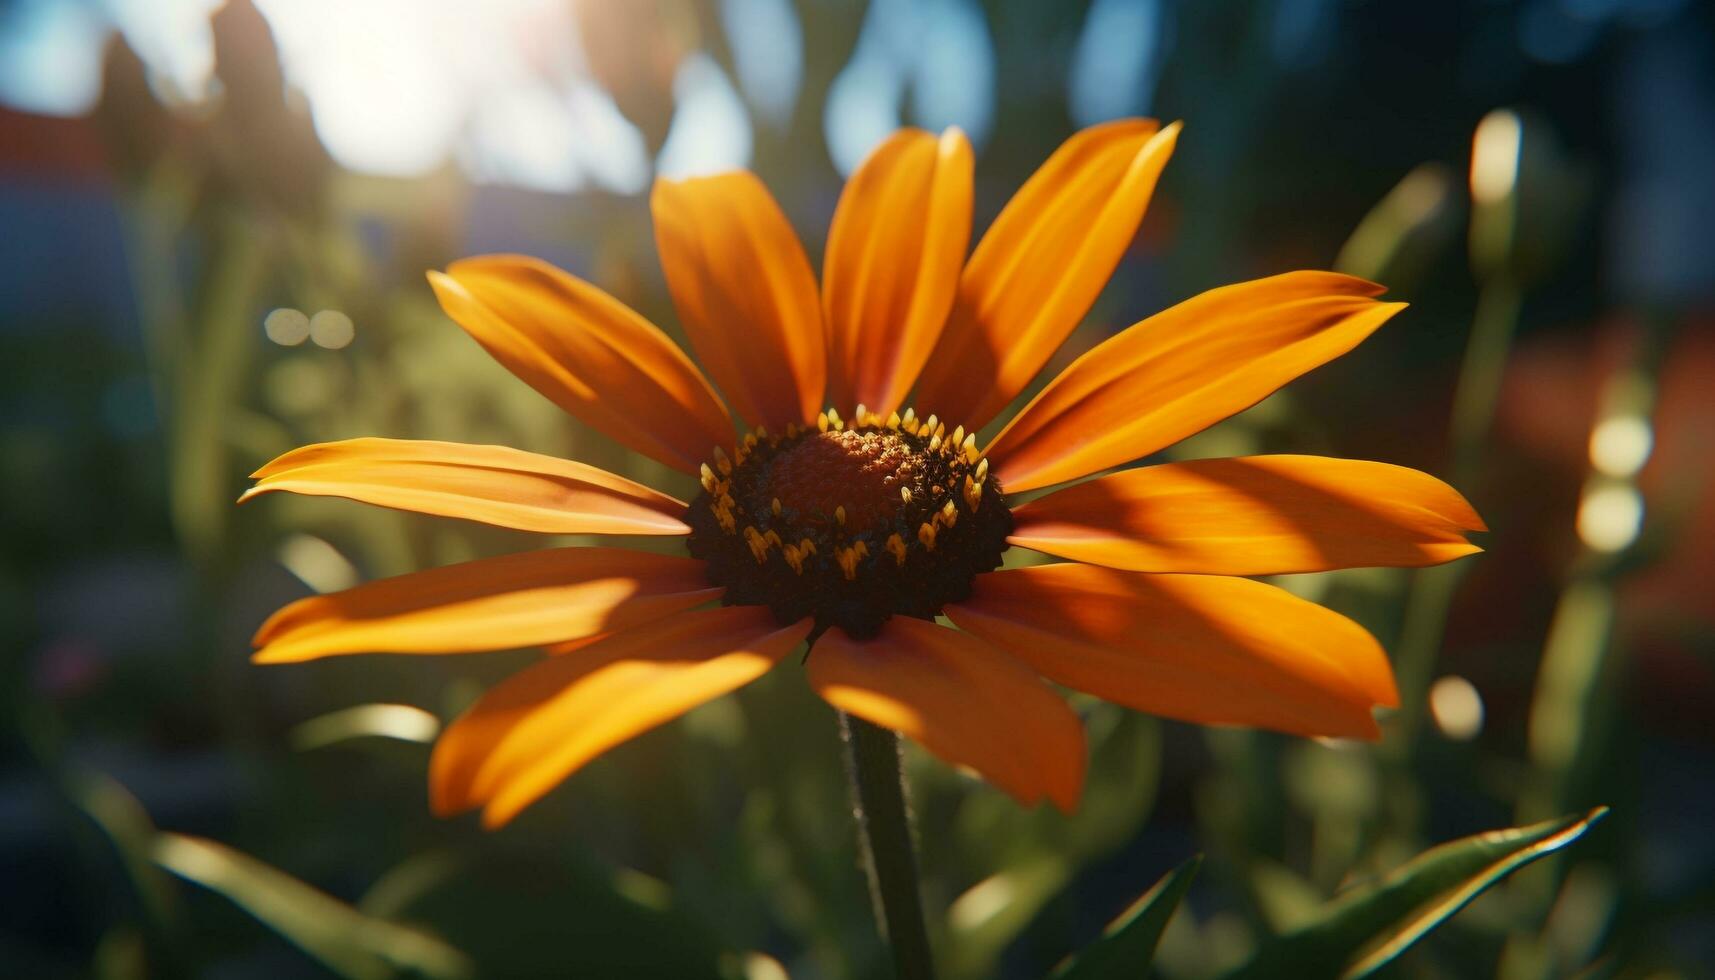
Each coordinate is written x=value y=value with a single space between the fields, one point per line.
x=852 y=522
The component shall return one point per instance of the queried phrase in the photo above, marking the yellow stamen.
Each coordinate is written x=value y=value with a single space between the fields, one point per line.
x=926 y=535
x=896 y=547
x=848 y=561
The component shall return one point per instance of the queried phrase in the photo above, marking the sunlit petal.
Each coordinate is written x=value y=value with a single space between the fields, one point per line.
x=1258 y=515
x=492 y=484
x=1201 y=648
x=892 y=266
x=1183 y=370
x=536 y=728
x=960 y=698
x=589 y=353
x=526 y=599
x=1041 y=265
x=745 y=293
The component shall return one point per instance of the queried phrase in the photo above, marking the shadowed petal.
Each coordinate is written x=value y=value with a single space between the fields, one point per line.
x=588 y=353
x=1258 y=515
x=892 y=265
x=539 y=726
x=745 y=294
x=527 y=599
x=1200 y=648
x=960 y=698
x=1041 y=265
x=1181 y=371
x=492 y=484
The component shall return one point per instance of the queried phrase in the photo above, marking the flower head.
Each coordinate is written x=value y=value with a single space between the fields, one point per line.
x=833 y=511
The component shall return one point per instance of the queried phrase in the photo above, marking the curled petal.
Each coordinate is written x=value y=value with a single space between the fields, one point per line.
x=539 y=726
x=892 y=265
x=745 y=293
x=528 y=599
x=492 y=484
x=588 y=353
x=1202 y=648
x=960 y=698
x=1256 y=515
x=1041 y=266
x=1182 y=370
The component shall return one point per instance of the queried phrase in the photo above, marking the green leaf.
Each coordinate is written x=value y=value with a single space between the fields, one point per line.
x=1368 y=926
x=1128 y=945
x=348 y=942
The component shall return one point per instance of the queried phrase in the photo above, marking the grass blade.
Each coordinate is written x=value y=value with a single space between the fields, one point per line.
x=1368 y=926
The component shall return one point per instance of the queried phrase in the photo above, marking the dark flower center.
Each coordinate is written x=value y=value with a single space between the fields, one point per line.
x=850 y=523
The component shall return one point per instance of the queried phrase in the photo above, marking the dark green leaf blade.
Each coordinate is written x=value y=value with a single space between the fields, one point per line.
x=1128 y=945
x=348 y=942
x=1368 y=926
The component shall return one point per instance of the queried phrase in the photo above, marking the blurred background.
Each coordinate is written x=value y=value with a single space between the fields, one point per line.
x=214 y=223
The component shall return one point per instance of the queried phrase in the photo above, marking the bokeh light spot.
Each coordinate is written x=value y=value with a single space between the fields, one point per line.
x=332 y=329
x=1619 y=446
x=286 y=326
x=1457 y=708
x=1610 y=517
x=1495 y=156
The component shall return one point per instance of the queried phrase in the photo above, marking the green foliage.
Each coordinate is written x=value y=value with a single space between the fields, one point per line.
x=348 y=942
x=1368 y=926
x=1128 y=945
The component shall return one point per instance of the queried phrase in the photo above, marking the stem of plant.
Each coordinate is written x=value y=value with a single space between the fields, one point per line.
x=878 y=796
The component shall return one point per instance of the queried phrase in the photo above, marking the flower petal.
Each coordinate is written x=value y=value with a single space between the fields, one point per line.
x=1041 y=266
x=521 y=600
x=539 y=726
x=1201 y=648
x=892 y=265
x=492 y=484
x=745 y=294
x=960 y=698
x=1258 y=515
x=589 y=353
x=1182 y=370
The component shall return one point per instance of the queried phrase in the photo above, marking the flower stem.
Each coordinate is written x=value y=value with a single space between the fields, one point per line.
x=878 y=790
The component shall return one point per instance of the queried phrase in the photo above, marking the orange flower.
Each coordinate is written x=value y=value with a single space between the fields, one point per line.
x=845 y=519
